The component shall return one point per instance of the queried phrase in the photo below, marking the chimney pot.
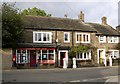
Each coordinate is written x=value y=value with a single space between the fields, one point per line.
x=65 y=15
x=104 y=20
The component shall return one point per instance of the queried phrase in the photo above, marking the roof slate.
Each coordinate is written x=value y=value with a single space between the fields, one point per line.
x=104 y=29
x=54 y=23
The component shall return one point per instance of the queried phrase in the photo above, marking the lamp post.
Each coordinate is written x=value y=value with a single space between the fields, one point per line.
x=56 y=50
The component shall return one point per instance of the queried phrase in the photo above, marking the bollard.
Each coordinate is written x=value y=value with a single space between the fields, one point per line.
x=110 y=61
x=74 y=62
x=105 y=61
x=64 y=63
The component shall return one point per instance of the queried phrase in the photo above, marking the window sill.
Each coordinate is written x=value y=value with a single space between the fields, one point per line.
x=66 y=42
x=82 y=42
x=82 y=59
x=41 y=42
x=112 y=42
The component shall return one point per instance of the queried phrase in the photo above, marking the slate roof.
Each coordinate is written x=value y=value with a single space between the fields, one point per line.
x=104 y=29
x=118 y=28
x=38 y=22
x=54 y=23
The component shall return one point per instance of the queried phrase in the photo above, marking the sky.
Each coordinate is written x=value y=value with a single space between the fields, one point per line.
x=93 y=10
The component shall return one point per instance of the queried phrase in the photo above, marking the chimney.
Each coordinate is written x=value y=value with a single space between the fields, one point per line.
x=81 y=16
x=104 y=20
x=65 y=15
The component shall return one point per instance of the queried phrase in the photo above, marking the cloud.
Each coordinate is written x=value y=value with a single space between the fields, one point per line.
x=93 y=10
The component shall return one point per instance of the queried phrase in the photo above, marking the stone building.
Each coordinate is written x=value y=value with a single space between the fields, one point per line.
x=47 y=40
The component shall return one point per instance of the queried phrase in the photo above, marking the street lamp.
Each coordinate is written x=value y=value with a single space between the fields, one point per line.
x=56 y=50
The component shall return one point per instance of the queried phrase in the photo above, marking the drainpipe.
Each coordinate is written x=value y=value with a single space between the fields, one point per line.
x=72 y=38
x=56 y=48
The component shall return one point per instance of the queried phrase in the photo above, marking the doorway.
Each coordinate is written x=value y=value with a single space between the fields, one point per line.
x=101 y=56
x=62 y=54
x=32 y=58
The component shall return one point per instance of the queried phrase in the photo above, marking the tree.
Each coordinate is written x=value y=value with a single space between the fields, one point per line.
x=12 y=25
x=78 y=49
x=35 y=12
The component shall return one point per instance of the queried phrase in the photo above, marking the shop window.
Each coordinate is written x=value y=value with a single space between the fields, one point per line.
x=46 y=56
x=22 y=56
x=51 y=57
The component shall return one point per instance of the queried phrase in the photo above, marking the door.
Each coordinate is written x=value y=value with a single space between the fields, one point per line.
x=62 y=55
x=101 y=56
x=33 y=58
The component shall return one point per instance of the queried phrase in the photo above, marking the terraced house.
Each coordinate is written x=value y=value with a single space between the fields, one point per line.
x=47 y=40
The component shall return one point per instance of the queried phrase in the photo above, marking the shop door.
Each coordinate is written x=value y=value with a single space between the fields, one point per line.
x=62 y=55
x=33 y=58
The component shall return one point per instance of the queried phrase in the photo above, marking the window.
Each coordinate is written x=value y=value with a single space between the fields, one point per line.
x=83 y=56
x=66 y=37
x=112 y=39
x=102 y=39
x=114 y=53
x=22 y=56
x=82 y=38
x=46 y=56
x=42 y=37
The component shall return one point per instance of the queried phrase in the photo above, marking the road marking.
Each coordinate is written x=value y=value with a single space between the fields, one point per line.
x=92 y=79
x=85 y=80
x=75 y=81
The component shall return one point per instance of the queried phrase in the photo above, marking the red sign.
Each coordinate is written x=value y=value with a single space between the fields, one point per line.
x=47 y=61
x=51 y=62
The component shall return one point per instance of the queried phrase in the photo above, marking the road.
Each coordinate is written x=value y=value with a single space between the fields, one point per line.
x=91 y=74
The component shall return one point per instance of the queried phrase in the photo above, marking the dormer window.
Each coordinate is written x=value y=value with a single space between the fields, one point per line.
x=42 y=37
x=66 y=36
x=102 y=39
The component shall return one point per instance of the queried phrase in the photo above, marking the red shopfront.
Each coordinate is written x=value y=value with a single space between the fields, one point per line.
x=33 y=57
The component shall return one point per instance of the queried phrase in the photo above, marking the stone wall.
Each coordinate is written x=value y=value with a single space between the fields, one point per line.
x=107 y=46
x=94 y=40
x=6 y=58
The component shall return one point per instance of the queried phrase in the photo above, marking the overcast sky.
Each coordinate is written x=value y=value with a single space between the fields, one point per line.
x=93 y=10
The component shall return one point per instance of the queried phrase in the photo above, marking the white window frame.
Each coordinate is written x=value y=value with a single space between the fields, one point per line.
x=104 y=39
x=18 y=56
x=82 y=34
x=50 y=37
x=113 y=53
x=88 y=56
x=47 y=53
x=68 y=33
x=113 y=38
